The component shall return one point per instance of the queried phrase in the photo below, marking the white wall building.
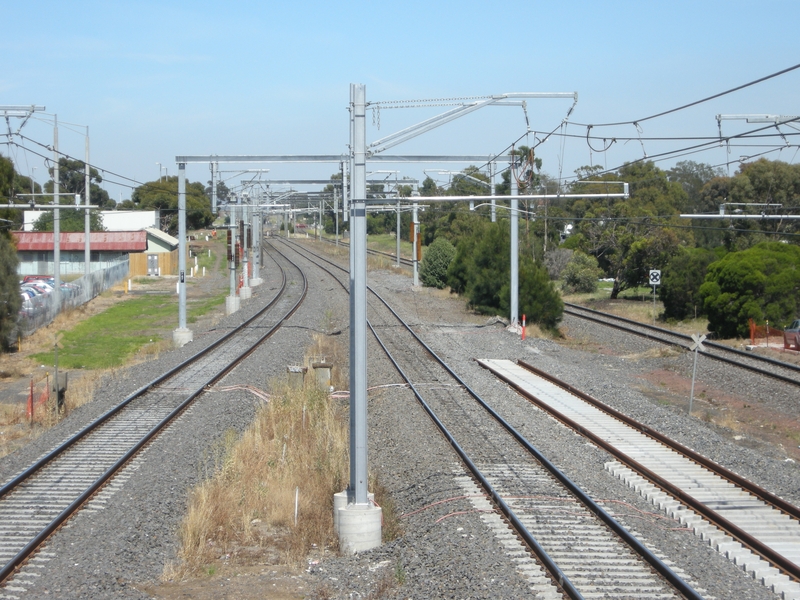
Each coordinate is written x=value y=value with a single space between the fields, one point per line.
x=113 y=220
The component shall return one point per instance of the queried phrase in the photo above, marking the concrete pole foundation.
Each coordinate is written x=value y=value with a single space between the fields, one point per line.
x=231 y=304
x=245 y=292
x=181 y=337
x=359 y=527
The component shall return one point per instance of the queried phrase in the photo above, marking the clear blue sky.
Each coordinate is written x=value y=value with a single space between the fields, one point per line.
x=156 y=79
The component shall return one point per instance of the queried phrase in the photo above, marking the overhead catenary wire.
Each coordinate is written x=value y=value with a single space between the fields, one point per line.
x=695 y=103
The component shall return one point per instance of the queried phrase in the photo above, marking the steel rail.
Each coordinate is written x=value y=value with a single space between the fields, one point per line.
x=662 y=568
x=661 y=340
x=745 y=538
x=688 y=338
x=48 y=530
x=709 y=464
x=11 y=484
x=407 y=262
x=552 y=567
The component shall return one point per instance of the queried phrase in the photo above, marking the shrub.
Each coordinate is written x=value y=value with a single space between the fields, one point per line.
x=581 y=274
x=539 y=300
x=760 y=283
x=556 y=260
x=435 y=262
x=681 y=281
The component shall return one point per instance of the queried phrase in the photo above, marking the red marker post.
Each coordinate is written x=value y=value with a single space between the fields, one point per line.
x=523 y=328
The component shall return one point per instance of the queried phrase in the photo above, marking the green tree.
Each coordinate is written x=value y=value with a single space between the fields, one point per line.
x=581 y=273
x=223 y=192
x=10 y=300
x=163 y=196
x=429 y=188
x=70 y=219
x=7 y=193
x=681 y=280
x=435 y=262
x=72 y=180
x=468 y=183
x=629 y=236
x=761 y=283
x=539 y=300
x=693 y=177
x=489 y=272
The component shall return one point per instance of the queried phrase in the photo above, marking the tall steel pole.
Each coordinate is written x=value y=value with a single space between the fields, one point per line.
x=492 y=170
x=182 y=335
x=181 y=245
x=214 y=188
x=415 y=227
x=357 y=492
x=256 y=238
x=397 y=235
x=87 y=253
x=336 y=213
x=514 y=246
x=56 y=224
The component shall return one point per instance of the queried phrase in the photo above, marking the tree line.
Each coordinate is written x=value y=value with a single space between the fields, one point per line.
x=728 y=270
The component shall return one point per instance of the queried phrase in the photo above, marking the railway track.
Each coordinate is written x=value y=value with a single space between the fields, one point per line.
x=40 y=499
x=585 y=551
x=406 y=262
x=740 y=516
x=768 y=367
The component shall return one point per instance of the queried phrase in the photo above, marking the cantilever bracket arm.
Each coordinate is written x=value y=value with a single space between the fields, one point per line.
x=501 y=100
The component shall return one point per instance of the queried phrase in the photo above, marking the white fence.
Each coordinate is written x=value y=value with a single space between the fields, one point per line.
x=43 y=309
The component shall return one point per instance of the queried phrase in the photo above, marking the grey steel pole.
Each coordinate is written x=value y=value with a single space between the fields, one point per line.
x=56 y=225
x=415 y=227
x=181 y=245
x=492 y=168
x=214 y=188
x=256 y=236
x=87 y=253
x=398 y=233
x=357 y=492
x=232 y=265
x=336 y=213
x=245 y=291
x=514 y=248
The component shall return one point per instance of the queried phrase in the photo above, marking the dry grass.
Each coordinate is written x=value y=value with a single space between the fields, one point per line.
x=245 y=510
x=298 y=441
x=534 y=331
x=16 y=428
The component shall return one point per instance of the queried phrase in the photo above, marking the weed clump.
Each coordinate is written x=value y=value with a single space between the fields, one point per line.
x=291 y=460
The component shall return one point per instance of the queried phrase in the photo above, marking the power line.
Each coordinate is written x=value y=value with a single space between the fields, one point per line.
x=695 y=103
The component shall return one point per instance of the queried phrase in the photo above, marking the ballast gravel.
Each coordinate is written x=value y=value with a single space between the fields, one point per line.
x=129 y=533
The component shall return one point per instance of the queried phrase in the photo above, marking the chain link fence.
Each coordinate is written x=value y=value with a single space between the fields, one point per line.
x=41 y=310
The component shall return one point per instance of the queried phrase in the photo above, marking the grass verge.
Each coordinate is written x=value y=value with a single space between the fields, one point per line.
x=109 y=339
x=296 y=448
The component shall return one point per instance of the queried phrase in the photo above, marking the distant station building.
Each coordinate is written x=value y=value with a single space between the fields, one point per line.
x=107 y=248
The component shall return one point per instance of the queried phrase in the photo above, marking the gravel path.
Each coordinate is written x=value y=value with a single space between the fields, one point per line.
x=111 y=551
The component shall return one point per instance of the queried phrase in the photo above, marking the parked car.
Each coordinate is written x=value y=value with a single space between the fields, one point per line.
x=34 y=278
x=791 y=335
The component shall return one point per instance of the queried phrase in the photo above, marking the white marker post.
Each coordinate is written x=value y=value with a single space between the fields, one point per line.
x=697 y=345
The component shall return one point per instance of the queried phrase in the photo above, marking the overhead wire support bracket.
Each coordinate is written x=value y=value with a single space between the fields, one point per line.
x=508 y=99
